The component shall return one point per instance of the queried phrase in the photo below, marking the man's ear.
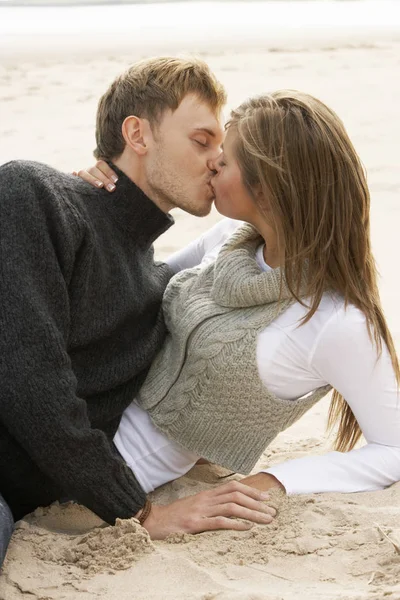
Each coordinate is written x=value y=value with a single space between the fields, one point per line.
x=135 y=133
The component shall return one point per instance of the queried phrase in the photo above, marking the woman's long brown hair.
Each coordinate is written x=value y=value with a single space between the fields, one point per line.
x=313 y=187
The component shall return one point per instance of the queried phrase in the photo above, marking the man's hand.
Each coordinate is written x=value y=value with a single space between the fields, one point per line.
x=100 y=176
x=218 y=508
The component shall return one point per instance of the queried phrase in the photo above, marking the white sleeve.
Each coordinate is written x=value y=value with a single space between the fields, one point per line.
x=346 y=358
x=193 y=254
x=187 y=257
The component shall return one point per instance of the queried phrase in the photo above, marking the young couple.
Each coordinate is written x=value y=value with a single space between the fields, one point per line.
x=117 y=378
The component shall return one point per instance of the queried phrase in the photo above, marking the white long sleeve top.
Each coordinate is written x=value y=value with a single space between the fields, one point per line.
x=334 y=348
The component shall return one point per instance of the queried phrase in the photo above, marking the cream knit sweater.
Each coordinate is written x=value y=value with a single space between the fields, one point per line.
x=203 y=389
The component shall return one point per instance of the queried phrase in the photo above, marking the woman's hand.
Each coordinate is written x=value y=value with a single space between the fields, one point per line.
x=211 y=510
x=101 y=175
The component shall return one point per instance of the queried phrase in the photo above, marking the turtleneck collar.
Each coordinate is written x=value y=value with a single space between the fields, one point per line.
x=130 y=208
x=136 y=212
x=238 y=281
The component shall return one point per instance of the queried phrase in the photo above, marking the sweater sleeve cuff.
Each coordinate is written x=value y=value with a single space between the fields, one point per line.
x=122 y=499
x=285 y=476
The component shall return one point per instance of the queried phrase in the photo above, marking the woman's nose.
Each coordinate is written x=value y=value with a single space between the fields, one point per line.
x=212 y=167
x=213 y=164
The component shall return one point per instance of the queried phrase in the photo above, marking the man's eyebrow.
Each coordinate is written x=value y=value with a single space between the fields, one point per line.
x=206 y=130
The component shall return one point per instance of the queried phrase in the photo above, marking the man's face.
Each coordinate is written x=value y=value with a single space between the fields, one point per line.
x=181 y=154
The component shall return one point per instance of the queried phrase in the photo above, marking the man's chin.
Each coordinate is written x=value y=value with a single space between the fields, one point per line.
x=200 y=209
x=204 y=211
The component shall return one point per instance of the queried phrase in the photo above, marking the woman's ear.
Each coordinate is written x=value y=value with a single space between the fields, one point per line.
x=260 y=196
x=134 y=132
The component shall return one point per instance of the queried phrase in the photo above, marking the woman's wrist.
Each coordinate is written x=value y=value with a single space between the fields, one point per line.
x=263 y=482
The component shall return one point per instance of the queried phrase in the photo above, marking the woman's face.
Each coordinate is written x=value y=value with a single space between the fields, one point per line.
x=232 y=199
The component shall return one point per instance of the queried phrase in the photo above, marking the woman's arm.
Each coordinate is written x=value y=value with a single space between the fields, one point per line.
x=346 y=358
x=187 y=257
x=204 y=247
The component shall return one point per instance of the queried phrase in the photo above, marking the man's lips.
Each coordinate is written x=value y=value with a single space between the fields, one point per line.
x=210 y=185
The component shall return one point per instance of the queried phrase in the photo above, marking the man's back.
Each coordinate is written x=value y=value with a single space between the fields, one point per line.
x=81 y=321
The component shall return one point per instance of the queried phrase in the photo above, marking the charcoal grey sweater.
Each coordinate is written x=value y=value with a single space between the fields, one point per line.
x=80 y=322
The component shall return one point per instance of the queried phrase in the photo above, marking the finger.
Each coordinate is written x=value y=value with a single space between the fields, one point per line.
x=98 y=173
x=242 y=500
x=236 y=486
x=230 y=509
x=89 y=178
x=106 y=170
x=215 y=523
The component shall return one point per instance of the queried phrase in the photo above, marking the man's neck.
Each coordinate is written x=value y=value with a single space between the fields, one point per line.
x=136 y=174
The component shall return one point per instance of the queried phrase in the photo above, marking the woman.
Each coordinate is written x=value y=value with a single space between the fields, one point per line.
x=271 y=309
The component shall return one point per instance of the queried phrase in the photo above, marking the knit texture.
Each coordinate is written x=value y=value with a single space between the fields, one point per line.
x=203 y=389
x=80 y=322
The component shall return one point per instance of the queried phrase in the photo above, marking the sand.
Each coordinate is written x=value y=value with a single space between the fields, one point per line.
x=320 y=546
x=327 y=546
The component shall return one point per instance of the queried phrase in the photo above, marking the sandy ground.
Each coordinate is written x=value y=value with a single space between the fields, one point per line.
x=321 y=546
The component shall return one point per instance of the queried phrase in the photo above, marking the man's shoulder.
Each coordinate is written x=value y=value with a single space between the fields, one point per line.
x=25 y=178
x=27 y=169
x=35 y=191
x=28 y=179
x=23 y=173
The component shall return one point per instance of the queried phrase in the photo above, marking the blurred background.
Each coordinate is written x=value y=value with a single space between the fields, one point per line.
x=58 y=57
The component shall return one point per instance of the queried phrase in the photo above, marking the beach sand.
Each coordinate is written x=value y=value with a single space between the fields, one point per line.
x=327 y=546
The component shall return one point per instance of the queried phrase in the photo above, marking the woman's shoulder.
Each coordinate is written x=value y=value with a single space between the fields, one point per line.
x=330 y=309
x=344 y=319
x=333 y=324
x=333 y=311
x=343 y=337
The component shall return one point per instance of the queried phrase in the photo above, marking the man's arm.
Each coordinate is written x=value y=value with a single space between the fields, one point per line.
x=6 y=528
x=39 y=404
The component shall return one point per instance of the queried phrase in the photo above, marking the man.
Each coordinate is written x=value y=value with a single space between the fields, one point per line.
x=80 y=314
x=6 y=529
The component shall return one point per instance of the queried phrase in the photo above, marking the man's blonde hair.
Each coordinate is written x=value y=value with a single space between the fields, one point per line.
x=147 y=89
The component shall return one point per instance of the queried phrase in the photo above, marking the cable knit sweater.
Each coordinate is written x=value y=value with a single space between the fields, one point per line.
x=80 y=322
x=203 y=389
